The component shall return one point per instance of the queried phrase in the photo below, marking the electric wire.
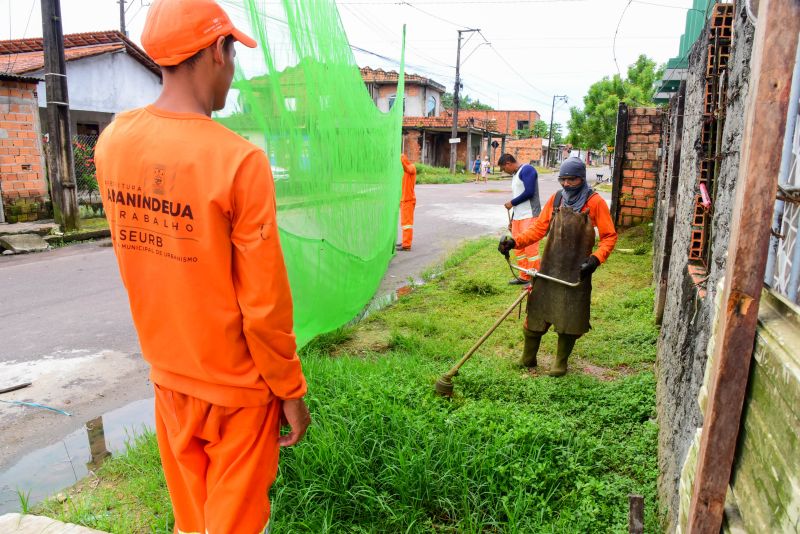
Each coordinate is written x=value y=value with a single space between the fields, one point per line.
x=10 y=69
x=616 y=32
x=409 y=4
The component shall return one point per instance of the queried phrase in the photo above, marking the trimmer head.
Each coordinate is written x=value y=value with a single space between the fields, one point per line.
x=444 y=386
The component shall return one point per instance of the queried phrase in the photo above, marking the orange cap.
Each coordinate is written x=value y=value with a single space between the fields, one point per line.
x=176 y=30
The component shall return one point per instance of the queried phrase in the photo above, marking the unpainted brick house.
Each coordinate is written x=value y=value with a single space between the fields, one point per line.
x=23 y=187
x=106 y=73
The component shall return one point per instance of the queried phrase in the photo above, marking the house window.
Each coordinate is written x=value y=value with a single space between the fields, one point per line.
x=523 y=125
x=87 y=128
x=392 y=98
x=430 y=107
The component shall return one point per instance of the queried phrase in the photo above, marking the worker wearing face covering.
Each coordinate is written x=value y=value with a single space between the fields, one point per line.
x=568 y=220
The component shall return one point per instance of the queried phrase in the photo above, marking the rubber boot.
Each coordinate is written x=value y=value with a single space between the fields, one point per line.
x=532 y=341
x=566 y=343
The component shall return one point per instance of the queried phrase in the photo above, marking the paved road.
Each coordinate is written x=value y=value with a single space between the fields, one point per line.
x=65 y=323
x=448 y=214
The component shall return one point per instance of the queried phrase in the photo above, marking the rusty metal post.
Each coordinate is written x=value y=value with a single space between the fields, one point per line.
x=635 y=514
x=774 y=47
x=619 y=159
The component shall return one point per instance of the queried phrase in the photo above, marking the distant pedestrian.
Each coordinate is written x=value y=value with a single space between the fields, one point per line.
x=526 y=207
x=476 y=168
x=485 y=165
x=408 y=201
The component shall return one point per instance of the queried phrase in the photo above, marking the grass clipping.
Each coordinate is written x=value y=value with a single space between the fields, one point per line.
x=513 y=451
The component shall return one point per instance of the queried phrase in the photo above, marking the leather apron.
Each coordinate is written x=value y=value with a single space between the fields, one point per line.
x=570 y=240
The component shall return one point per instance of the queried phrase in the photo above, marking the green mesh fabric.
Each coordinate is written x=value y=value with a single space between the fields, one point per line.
x=335 y=157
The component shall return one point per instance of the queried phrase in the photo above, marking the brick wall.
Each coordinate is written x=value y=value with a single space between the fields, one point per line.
x=525 y=150
x=22 y=177
x=506 y=120
x=638 y=189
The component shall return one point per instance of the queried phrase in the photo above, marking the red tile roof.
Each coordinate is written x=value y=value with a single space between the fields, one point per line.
x=380 y=76
x=447 y=122
x=18 y=56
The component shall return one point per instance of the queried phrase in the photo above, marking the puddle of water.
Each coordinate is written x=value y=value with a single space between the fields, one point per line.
x=50 y=469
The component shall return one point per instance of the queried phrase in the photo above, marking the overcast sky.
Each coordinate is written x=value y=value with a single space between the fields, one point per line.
x=538 y=47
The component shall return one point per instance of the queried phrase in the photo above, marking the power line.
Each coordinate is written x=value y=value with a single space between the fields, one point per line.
x=461 y=2
x=614 y=42
x=24 y=32
x=432 y=15
x=515 y=71
x=665 y=5
x=372 y=23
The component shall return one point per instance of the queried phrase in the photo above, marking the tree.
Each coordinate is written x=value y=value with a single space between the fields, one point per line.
x=540 y=129
x=558 y=136
x=466 y=102
x=595 y=124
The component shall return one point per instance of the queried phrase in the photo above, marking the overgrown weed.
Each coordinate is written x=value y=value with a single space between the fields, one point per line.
x=511 y=452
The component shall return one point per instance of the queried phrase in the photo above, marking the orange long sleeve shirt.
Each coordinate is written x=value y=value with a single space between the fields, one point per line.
x=191 y=206
x=409 y=180
x=599 y=215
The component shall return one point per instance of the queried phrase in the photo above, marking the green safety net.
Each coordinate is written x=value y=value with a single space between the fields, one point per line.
x=335 y=157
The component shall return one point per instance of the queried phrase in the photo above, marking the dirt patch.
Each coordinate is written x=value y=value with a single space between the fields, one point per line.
x=605 y=374
x=579 y=365
x=366 y=339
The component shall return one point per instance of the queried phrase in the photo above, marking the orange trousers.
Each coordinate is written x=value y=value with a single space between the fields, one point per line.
x=219 y=462
x=407 y=221
x=527 y=257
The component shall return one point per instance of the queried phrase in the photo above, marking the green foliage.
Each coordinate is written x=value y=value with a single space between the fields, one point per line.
x=129 y=495
x=476 y=286
x=427 y=174
x=85 y=170
x=328 y=341
x=540 y=129
x=595 y=124
x=24 y=498
x=558 y=136
x=465 y=102
x=511 y=452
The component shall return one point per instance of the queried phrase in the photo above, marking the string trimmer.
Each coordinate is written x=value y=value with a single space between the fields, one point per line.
x=444 y=386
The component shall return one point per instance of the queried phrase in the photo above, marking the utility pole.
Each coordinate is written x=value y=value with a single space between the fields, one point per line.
x=550 y=137
x=61 y=168
x=122 y=18
x=454 y=136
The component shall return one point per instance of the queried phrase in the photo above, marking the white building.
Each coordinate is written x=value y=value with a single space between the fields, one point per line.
x=106 y=73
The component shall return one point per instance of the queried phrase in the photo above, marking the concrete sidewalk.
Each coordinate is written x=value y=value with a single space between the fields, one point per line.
x=34 y=524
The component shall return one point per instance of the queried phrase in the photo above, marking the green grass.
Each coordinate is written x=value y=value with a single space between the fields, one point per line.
x=513 y=451
x=93 y=223
x=427 y=174
x=605 y=187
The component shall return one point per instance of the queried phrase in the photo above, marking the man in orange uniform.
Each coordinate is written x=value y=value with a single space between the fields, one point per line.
x=568 y=219
x=191 y=207
x=525 y=207
x=408 y=202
